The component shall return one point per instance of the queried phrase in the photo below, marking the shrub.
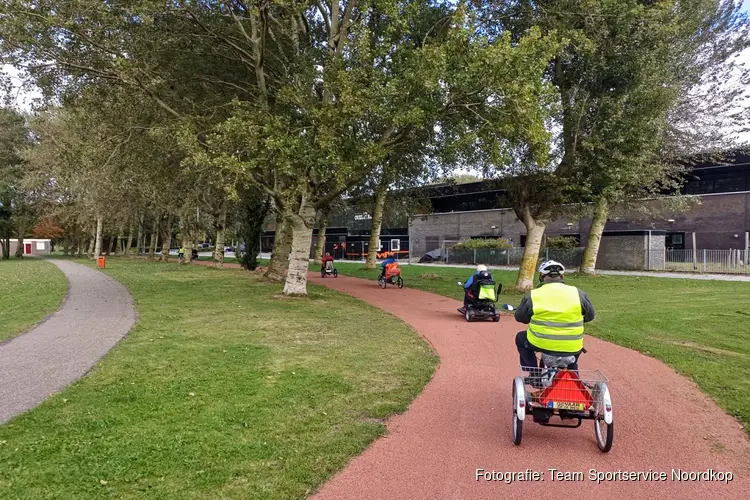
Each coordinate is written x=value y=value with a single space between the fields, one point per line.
x=561 y=242
x=496 y=243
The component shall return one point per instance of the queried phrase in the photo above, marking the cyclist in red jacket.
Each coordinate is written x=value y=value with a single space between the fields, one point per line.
x=325 y=259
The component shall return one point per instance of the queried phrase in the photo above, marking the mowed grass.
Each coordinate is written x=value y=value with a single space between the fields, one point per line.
x=222 y=390
x=30 y=290
x=701 y=328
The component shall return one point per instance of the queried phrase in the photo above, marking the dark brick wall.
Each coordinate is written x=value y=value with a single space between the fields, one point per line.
x=715 y=221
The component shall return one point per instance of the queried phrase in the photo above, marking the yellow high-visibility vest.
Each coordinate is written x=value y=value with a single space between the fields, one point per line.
x=557 y=321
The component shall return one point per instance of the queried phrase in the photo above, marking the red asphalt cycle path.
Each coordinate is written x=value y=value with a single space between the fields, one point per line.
x=461 y=422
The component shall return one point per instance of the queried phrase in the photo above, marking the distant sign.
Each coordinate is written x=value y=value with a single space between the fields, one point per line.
x=362 y=217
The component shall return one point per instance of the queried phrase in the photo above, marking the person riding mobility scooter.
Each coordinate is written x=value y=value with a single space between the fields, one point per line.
x=390 y=273
x=480 y=296
x=326 y=267
x=556 y=313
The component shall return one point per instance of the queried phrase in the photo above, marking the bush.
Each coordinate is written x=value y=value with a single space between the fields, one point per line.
x=495 y=243
x=561 y=242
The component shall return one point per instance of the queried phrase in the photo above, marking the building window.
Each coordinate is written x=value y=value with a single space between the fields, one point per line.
x=395 y=245
x=675 y=241
x=432 y=243
x=728 y=183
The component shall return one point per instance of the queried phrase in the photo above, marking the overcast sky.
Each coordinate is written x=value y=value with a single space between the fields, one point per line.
x=24 y=99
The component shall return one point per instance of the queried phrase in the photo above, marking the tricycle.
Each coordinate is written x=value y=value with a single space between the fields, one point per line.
x=554 y=390
x=392 y=275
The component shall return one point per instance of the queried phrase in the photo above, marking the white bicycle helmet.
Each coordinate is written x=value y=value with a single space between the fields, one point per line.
x=551 y=268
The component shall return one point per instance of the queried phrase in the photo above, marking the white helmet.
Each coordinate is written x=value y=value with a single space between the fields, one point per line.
x=551 y=268
x=481 y=267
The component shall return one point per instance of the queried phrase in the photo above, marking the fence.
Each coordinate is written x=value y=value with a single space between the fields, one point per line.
x=511 y=257
x=356 y=251
x=703 y=261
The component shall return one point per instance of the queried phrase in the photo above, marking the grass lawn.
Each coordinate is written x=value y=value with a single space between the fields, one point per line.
x=30 y=290
x=222 y=390
x=701 y=328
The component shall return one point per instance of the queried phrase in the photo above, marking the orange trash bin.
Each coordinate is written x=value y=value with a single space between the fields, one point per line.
x=100 y=262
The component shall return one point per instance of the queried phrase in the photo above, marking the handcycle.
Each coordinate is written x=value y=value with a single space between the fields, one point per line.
x=329 y=270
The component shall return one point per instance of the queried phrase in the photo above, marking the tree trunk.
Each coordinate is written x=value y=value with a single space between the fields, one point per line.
x=5 y=243
x=81 y=242
x=141 y=241
x=129 y=243
x=120 y=239
x=221 y=225
x=320 y=247
x=154 y=236
x=282 y=246
x=534 y=234
x=377 y=224
x=21 y=232
x=301 y=225
x=112 y=244
x=166 y=240
x=601 y=210
x=187 y=242
x=92 y=242
x=98 y=242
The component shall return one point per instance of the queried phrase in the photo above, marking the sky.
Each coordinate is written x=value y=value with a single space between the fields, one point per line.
x=24 y=99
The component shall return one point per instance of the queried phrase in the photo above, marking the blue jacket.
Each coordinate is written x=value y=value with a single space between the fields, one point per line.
x=389 y=260
x=470 y=281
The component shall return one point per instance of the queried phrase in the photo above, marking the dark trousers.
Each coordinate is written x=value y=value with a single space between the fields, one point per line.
x=527 y=352
x=467 y=301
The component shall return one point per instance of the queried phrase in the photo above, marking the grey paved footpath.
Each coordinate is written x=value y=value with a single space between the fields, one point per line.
x=96 y=314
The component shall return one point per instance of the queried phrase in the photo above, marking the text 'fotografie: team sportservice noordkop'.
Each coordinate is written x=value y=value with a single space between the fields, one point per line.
x=597 y=476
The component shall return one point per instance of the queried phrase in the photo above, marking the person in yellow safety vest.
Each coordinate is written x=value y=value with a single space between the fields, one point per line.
x=555 y=313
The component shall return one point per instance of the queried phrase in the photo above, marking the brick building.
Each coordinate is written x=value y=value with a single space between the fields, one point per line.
x=719 y=219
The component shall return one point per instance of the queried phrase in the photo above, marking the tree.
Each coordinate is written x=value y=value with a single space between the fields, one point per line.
x=505 y=132
x=253 y=207
x=311 y=137
x=404 y=168
x=13 y=138
x=321 y=93
x=645 y=59
x=320 y=245
x=619 y=70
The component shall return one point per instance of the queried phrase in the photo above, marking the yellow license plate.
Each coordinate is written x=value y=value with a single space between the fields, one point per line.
x=567 y=406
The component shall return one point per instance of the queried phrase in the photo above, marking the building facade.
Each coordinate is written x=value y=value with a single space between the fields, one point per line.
x=32 y=247
x=717 y=213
